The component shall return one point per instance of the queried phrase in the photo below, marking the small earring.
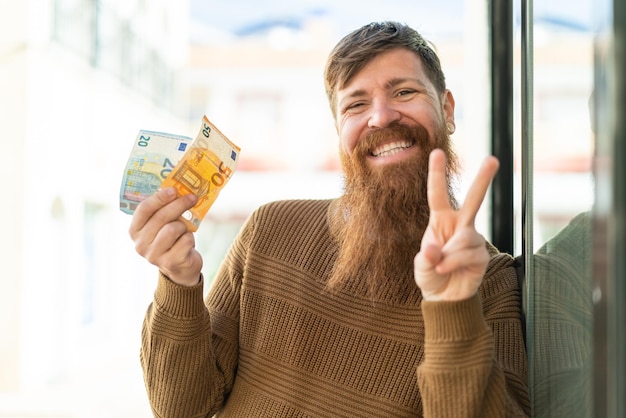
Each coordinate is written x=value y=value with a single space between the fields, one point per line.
x=451 y=127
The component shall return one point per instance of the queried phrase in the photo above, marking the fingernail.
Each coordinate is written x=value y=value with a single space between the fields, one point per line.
x=169 y=191
x=191 y=198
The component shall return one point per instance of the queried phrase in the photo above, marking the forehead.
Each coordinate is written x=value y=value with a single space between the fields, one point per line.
x=399 y=63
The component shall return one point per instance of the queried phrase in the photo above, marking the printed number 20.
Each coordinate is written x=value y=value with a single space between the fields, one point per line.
x=143 y=141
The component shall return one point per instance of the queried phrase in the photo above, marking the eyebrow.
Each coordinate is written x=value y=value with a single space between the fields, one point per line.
x=399 y=80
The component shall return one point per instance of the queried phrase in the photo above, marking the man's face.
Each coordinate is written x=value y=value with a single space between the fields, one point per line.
x=393 y=87
x=389 y=119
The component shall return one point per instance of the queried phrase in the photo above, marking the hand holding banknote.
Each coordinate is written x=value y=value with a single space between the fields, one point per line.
x=169 y=186
x=162 y=238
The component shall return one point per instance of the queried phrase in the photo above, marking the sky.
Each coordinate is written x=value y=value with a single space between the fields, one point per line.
x=438 y=18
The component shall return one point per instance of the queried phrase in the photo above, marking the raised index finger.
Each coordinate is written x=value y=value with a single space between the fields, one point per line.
x=478 y=190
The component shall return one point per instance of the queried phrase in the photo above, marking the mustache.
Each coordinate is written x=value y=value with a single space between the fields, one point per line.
x=416 y=134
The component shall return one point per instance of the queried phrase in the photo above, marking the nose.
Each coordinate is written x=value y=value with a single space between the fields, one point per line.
x=382 y=114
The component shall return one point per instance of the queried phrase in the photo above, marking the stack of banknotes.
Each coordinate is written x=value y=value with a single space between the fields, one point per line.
x=202 y=167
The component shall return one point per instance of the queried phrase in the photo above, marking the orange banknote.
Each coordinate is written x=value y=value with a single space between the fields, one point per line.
x=204 y=170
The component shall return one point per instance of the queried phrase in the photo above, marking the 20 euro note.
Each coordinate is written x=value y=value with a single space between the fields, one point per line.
x=151 y=160
x=203 y=170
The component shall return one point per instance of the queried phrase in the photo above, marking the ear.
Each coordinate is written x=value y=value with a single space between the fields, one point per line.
x=447 y=106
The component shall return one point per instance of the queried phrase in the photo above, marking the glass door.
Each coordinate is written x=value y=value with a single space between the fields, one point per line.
x=609 y=227
x=569 y=69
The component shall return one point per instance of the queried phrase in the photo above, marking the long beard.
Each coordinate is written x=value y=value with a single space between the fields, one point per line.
x=383 y=214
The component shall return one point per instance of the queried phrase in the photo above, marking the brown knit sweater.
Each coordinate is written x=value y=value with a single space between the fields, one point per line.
x=270 y=341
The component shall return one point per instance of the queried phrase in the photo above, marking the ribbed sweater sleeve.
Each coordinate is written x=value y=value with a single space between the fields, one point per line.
x=189 y=351
x=180 y=373
x=472 y=368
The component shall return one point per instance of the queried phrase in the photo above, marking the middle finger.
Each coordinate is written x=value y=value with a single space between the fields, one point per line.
x=478 y=190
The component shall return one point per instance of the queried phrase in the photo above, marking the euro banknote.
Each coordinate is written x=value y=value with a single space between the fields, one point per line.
x=202 y=167
x=204 y=170
x=151 y=160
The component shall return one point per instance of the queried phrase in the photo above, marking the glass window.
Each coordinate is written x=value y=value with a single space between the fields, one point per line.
x=561 y=147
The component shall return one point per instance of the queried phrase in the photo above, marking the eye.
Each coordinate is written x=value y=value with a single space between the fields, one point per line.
x=405 y=92
x=354 y=107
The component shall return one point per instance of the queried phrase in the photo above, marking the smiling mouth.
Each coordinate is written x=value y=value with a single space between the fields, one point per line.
x=391 y=148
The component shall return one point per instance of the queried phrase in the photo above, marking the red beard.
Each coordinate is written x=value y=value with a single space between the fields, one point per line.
x=383 y=215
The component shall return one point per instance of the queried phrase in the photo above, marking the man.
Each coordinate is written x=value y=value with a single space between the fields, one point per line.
x=384 y=302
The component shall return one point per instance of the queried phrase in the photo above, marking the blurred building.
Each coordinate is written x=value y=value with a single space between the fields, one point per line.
x=265 y=91
x=563 y=138
x=78 y=78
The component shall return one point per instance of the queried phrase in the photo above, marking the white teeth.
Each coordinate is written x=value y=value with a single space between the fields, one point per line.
x=390 y=149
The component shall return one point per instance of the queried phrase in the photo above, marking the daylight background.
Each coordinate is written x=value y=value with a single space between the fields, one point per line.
x=80 y=78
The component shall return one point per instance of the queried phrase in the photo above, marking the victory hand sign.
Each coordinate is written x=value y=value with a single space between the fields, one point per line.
x=453 y=256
